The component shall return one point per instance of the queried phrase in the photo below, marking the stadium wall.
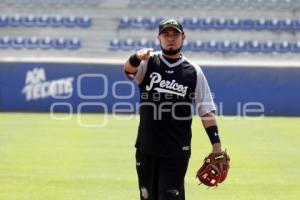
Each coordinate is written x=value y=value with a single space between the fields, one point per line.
x=100 y=87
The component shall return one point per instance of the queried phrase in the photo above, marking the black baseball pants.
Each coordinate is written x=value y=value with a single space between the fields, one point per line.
x=161 y=178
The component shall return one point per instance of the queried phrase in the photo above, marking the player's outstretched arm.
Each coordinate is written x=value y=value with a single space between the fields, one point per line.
x=134 y=60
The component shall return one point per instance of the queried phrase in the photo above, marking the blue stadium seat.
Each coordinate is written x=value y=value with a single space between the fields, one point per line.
x=138 y=22
x=32 y=43
x=143 y=43
x=224 y=47
x=295 y=48
x=210 y=46
x=115 y=44
x=197 y=46
x=296 y=25
x=146 y=22
x=191 y=23
x=127 y=45
x=268 y=47
x=239 y=47
x=260 y=24
x=84 y=22
x=234 y=24
x=56 y=21
x=125 y=22
x=29 y=21
x=73 y=44
x=220 y=24
x=253 y=46
x=46 y=43
x=205 y=23
x=185 y=22
x=286 y=25
x=15 y=21
x=283 y=47
x=43 y=21
x=5 y=43
x=3 y=21
x=272 y=24
x=59 y=43
x=153 y=23
x=18 y=43
x=69 y=22
x=247 y=24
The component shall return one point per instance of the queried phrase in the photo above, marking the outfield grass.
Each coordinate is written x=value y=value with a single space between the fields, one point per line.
x=42 y=158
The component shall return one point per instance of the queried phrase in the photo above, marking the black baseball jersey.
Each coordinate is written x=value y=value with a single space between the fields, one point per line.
x=167 y=91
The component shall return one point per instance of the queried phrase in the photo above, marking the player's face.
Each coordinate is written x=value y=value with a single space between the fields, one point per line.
x=170 y=39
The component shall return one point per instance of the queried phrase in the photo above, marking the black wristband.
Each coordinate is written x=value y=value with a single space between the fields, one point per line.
x=213 y=134
x=134 y=60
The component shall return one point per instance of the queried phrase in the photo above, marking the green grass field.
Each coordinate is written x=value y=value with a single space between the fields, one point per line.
x=42 y=158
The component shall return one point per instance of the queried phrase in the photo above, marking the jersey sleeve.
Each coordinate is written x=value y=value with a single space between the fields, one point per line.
x=203 y=98
x=140 y=74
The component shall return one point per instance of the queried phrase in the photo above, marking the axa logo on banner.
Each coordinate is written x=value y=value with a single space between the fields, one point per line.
x=165 y=86
x=37 y=87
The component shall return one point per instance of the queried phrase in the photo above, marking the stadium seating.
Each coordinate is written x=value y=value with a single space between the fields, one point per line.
x=44 y=21
x=224 y=46
x=29 y=21
x=211 y=46
x=143 y=43
x=114 y=44
x=295 y=47
x=217 y=24
x=268 y=47
x=3 y=21
x=239 y=47
x=40 y=43
x=45 y=43
x=83 y=22
x=32 y=43
x=18 y=43
x=245 y=4
x=197 y=46
x=73 y=44
x=226 y=27
x=59 y=3
x=5 y=42
x=128 y=44
x=283 y=47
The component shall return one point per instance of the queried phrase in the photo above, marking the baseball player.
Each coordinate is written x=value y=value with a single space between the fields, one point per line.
x=169 y=85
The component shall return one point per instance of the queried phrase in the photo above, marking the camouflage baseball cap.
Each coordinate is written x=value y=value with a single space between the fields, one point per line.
x=173 y=23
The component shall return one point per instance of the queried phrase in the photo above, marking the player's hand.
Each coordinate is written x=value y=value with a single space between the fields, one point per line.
x=144 y=54
x=216 y=148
